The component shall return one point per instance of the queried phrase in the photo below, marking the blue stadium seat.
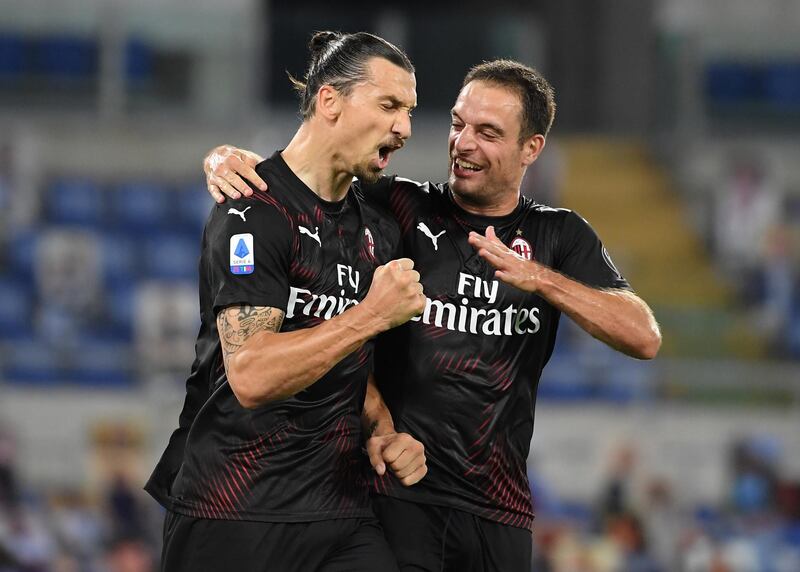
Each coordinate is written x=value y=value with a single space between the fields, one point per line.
x=75 y=201
x=138 y=62
x=31 y=363
x=732 y=82
x=13 y=57
x=782 y=84
x=172 y=256
x=100 y=362
x=15 y=308
x=21 y=253
x=67 y=58
x=143 y=207
x=121 y=303
x=196 y=205
x=120 y=258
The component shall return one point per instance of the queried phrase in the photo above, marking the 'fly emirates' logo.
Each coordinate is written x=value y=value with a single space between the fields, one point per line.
x=304 y=302
x=465 y=318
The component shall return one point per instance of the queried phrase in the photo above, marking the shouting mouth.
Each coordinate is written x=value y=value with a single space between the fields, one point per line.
x=385 y=153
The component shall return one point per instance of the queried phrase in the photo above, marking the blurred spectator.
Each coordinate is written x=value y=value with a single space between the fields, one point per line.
x=8 y=483
x=124 y=510
x=129 y=555
x=28 y=541
x=748 y=205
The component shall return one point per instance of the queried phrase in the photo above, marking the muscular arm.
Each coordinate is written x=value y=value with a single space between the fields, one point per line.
x=263 y=364
x=617 y=317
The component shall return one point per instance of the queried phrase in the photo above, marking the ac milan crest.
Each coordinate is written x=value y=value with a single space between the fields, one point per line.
x=522 y=247
x=369 y=241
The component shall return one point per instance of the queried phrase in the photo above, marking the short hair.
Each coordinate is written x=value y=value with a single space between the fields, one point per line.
x=340 y=60
x=535 y=92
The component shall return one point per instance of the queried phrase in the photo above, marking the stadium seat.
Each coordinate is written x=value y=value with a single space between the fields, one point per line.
x=732 y=82
x=67 y=58
x=75 y=202
x=196 y=205
x=100 y=362
x=782 y=84
x=171 y=256
x=21 y=251
x=31 y=363
x=15 y=308
x=142 y=207
x=120 y=258
x=138 y=62
x=13 y=57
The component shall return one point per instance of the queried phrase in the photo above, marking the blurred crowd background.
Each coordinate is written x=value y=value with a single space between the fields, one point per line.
x=677 y=136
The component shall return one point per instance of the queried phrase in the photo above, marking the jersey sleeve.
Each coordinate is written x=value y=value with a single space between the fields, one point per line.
x=250 y=247
x=582 y=256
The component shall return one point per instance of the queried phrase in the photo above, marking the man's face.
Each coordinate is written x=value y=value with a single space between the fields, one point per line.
x=486 y=157
x=376 y=118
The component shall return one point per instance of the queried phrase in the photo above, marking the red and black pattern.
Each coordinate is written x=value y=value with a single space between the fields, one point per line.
x=297 y=459
x=463 y=377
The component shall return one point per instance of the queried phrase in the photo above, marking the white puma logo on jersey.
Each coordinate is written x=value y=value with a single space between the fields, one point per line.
x=315 y=236
x=240 y=213
x=427 y=232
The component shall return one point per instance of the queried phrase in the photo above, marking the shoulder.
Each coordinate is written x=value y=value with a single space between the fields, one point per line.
x=259 y=215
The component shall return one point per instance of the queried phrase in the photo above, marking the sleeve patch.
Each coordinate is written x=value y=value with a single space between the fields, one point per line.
x=243 y=258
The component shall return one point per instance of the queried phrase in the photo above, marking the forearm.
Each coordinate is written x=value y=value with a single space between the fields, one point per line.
x=376 y=418
x=272 y=366
x=617 y=317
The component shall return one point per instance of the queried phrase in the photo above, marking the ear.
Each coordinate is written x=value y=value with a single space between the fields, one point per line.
x=532 y=148
x=329 y=102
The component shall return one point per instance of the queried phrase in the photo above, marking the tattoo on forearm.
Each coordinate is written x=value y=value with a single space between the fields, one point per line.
x=371 y=429
x=237 y=323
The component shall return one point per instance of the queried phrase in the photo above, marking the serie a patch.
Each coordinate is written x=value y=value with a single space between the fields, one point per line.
x=243 y=257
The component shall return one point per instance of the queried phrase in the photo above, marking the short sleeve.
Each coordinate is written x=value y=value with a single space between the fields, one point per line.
x=582 y=256
x=249 y=245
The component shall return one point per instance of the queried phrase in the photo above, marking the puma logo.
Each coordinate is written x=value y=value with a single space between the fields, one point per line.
x=427 y=232
x=240 y=213
x=315 y=235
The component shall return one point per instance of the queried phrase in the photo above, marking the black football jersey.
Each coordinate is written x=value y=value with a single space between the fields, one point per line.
x=462 y=378
x=296 y=459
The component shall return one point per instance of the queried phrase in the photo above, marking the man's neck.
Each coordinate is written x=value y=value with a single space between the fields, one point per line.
x=313 y=158
x=504 y=205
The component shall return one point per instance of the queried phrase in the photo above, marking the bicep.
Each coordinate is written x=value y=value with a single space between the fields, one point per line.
x=237 y=324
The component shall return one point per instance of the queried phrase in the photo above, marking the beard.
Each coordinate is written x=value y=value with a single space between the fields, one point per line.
x=368 y=175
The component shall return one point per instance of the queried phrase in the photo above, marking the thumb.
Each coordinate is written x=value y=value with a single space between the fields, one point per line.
x=490 y=233
x=375 y=453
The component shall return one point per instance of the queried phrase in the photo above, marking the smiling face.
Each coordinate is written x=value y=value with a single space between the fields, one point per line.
x=375 y=118
x=487 y=158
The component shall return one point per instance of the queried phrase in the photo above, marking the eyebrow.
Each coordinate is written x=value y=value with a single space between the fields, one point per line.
x=481 y=126
x=396 y=102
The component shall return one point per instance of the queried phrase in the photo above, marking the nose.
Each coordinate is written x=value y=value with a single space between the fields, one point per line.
x=464 y=140
x=402 y=125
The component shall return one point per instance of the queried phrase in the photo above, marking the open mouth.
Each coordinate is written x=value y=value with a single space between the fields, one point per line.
x=385 y=153
x=464 y=168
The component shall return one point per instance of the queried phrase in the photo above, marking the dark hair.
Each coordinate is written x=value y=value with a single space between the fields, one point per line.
x=535 y=92
x=340 y=60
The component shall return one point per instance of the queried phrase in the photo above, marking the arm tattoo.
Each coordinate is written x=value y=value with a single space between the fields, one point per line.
x=237 y=323
x=371 y=429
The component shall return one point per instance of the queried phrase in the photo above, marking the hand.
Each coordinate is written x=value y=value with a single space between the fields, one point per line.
x=511 y=268
x=225 y=166
x=395 y=295
x=404 y=455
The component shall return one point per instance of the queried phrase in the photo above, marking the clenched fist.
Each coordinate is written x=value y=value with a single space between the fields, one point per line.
x=395 y=295
x=404 y=455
